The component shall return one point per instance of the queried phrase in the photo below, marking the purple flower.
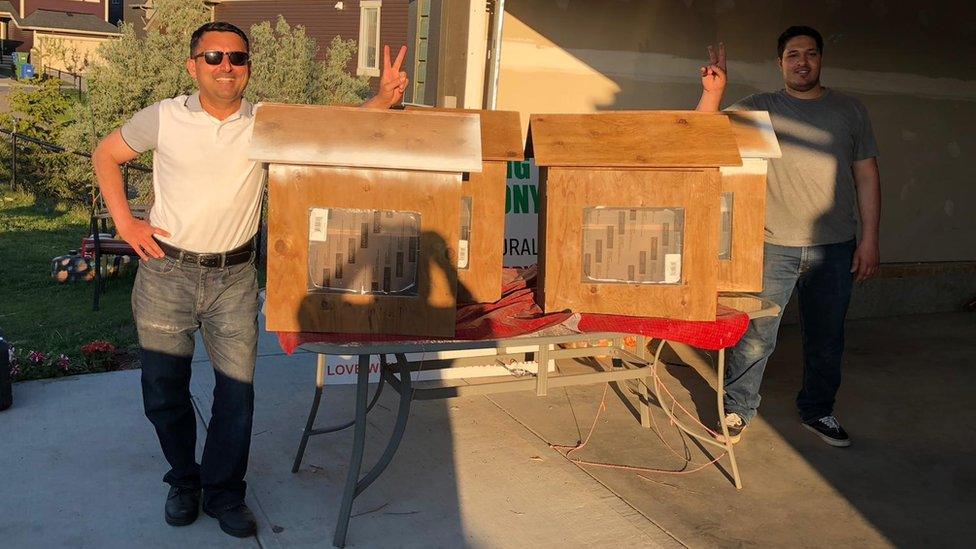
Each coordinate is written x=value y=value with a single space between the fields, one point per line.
x=63 y=363
x=15 y=371
x=36 y=357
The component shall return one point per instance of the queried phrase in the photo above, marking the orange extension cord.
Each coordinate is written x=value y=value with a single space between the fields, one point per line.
x=566 y=451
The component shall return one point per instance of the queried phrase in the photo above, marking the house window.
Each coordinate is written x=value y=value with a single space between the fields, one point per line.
x=369 y=37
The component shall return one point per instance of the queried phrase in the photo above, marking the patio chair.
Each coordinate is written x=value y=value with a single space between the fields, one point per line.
x=138 y=190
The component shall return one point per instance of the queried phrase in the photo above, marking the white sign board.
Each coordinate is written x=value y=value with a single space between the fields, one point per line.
x=521 y=214
x=343 y=370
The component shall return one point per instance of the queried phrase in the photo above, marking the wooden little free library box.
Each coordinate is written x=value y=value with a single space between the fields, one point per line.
x=744 y=203
x=483 y=205
x=364 y=216
x=632 y=212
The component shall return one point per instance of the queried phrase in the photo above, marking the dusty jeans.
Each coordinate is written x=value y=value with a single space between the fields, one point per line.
x=822 y=277
x=171 y=301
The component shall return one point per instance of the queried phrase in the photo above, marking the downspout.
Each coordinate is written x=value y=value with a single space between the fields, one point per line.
x=496 y=54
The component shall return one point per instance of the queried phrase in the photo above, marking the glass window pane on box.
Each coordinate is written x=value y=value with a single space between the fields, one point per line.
x=632 y=245
x=464 y=246
x=363 y=251
x=725 y=232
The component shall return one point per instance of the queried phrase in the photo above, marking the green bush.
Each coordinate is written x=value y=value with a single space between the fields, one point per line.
x=284 y=68
x=40 y=111
x=136 y=71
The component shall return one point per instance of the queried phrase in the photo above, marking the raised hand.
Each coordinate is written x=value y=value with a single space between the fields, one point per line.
x=713 y=75
x=393 y=81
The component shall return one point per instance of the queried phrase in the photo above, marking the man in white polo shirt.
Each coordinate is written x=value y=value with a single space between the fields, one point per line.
x=197 y=269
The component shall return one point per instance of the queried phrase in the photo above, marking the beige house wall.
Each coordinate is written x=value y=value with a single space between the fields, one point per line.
x=905 y=60
x=67 y=53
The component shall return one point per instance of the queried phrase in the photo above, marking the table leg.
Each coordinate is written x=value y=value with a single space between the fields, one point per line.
x=720 y=391
x=356 y=457
x=319 y=385
x=542 y=373
x=97 y=256
x=642 y=392
x=403 y=413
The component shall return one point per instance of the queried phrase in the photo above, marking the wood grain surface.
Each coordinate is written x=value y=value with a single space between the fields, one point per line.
x=633 y=139
x=501 y=132
x=743 y=272
x=294 y=190
x=754 y=134
x=481 y=282
x=567 y=191
x=316 y=135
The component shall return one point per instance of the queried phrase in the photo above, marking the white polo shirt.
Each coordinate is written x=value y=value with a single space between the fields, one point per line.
x=207 y=192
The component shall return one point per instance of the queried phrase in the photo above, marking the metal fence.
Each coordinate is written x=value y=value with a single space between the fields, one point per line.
x=136 y=177
x=75 y=80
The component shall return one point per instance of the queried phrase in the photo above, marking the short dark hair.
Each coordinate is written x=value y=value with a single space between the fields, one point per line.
x=795 y=31
x=216 y=26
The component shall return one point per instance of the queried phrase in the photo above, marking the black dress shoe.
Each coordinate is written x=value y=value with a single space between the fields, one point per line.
x=237 y=521
x=182 y=505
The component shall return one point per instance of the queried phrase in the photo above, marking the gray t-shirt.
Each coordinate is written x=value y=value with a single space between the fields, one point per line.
x=811 y=198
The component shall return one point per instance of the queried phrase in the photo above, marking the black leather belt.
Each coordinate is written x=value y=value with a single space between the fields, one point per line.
x=225 y=259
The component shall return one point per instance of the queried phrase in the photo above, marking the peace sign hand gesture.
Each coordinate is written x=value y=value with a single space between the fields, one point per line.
x=393 y=81
x=713 y=76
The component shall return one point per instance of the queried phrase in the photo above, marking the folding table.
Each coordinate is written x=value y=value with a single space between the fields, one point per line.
x=595 y=329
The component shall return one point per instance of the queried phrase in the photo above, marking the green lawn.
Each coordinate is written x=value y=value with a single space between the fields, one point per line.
x=37 y=313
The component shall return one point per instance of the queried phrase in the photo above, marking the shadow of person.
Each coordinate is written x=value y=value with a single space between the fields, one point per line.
x=400 y=281
x=380 y=274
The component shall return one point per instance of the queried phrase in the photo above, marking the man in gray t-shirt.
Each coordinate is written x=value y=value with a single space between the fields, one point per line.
x=826 y=180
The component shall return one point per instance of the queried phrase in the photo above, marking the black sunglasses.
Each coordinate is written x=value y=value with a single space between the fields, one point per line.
x=237 y=58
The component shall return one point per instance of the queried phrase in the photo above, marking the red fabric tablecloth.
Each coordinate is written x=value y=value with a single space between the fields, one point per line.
x=517 y=313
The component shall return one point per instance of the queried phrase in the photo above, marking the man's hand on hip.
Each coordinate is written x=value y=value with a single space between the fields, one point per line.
x=139 y=234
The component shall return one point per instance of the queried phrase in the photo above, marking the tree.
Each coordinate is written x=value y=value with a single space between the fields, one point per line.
x=41 y=112
x=37 y=111
x=135 y=72
x=131 y=72
x=284 y=68
x=338 y=86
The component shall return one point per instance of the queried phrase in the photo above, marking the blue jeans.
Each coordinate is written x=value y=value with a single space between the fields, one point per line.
x=171 y=300
x=822 y=278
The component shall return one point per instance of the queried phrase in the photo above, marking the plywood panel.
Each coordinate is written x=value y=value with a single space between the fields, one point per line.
x=754 y=134
x=481 y=281
x=633 y=139
x=566 y=192
x=501 y=132
x=743 y=271
x=294 y=190
x=501 y=141
x=367 y=138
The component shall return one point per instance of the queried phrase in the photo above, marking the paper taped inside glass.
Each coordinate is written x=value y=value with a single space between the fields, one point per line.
x=725 y=231
x=464 y=246
x=632 y=245
x=363 y=251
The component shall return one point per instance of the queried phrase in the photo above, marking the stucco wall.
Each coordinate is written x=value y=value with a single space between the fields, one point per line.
x=905 y=60
x=63 y=52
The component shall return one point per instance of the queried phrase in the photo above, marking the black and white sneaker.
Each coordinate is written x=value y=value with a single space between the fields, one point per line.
x=829 y=429
x=735 y=425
